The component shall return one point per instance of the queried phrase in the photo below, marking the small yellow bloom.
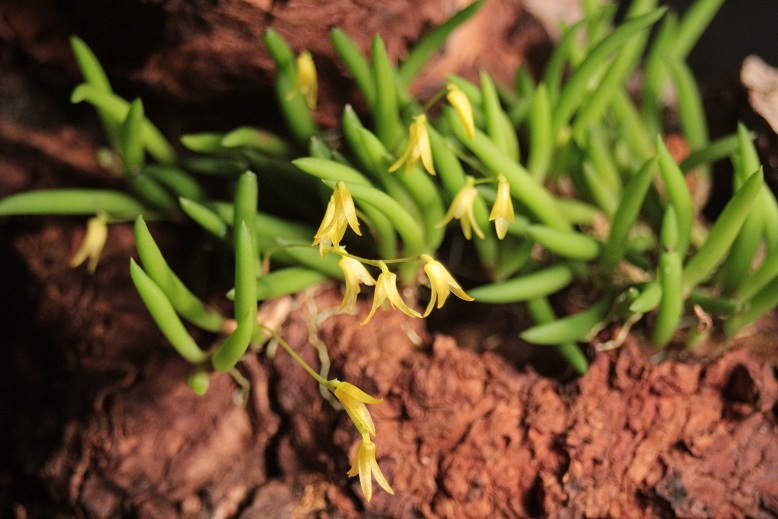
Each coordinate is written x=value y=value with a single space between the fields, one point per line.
x=307 y=84
x=354 y=400
x=324 y=235
x=418 y=147
x=462 y=209
x=339 y=215
x=502 y=211
x=461 y=105
x=344 y=206
x=441 y=283
x=92 y=246
x=386 y=288
x=355 y=273
x=366 y=466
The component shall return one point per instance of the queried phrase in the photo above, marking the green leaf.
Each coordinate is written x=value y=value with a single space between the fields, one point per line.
x=256 y=139
x=285 y=281
x=356 y=63
x=722 y=234
x=115 y=204
x=573 y=328
x=117 y=108
x=95 y=75
x=165 y=316
x=576 y=89
x=567 y=244
x=132 y=149
x=677 y=193
x=626 y=215
x=529 y=286
x=387 y=118
x=541 y=311
x=180 y=297
x=668 y=317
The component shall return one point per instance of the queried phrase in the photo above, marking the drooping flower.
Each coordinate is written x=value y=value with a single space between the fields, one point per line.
x=354 y=400
x=92 y=246
x=386 y=289
x=366 y=466
x=326 y=234
x=441 y=283
x=418 y=147
x=461 y=105
x=339 y=215
x=307 y=84
x=502 y=211
x=344 y=206
x=355 y=273
x=462 y=210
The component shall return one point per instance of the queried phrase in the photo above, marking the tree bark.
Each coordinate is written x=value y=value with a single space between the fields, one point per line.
x=211 y=53
x=97 y=420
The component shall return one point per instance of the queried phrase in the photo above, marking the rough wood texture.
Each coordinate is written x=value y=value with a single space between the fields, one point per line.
x=97 y=420
x=460 y=434
x=212 y=52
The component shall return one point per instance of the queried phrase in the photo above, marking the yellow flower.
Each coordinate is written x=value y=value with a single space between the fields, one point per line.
x=354 y=400
x=324 y=235
x=386 y=288
x=461 y=105
x=339 y=215
x=462 y=209
x=502 y=211
x=307 y=84
x=366 y=466
x=355 y=273
x=441 y=283
x=344 y=207
x=92 y=246
x=418 y=147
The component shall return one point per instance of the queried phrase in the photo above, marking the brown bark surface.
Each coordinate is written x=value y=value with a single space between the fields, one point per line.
x=212 y=54
x=96 y=419
x=460 y=433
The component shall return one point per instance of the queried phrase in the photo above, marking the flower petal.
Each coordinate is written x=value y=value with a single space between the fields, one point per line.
x=461 y=294
x=307 y=82
x=461 y=105
x=364 y=455
x=346 y=388
x=326 y=221
x=378 y=298
x=344 y=207
x=502 y=211
x=471 y=217
x=433 y=297
x=355 y=273
x=442 y=283
x=379 y=476
x=390 y=285
x=423 y=144
x=92 y=246
x=359 y=414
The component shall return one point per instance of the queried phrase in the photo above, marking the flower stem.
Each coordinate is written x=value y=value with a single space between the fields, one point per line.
x=296 y=357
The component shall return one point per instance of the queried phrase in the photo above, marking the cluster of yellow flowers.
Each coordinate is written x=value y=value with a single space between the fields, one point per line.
x=341 y=214
x=462 y=206
x=364 y=465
